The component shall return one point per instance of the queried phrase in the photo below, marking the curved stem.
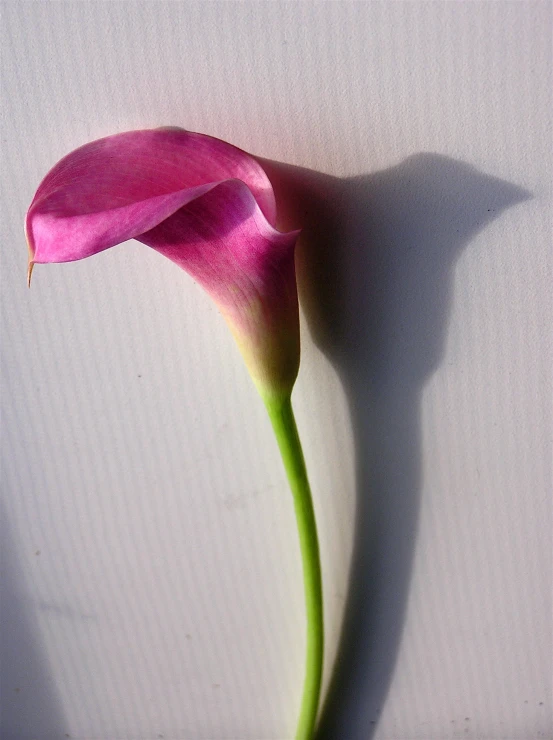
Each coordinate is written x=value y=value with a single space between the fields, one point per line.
x=284 y=425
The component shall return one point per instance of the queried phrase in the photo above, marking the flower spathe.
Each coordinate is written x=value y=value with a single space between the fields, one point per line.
x=204 y=204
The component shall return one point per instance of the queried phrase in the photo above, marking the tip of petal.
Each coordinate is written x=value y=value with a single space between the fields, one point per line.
x=30 y=272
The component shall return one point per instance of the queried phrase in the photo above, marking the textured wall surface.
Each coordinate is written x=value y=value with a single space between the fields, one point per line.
x=150 y=571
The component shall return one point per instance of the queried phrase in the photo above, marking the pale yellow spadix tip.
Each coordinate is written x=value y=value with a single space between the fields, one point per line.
x=29 y=273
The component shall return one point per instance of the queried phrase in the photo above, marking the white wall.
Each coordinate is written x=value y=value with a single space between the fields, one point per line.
x=151 y=581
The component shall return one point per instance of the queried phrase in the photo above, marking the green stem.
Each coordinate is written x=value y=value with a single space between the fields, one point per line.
x=286 y=432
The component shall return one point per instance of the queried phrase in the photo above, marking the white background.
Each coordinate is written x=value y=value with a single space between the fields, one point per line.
x=151 y=584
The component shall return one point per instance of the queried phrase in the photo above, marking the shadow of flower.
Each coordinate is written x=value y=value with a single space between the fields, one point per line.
x=375 y=268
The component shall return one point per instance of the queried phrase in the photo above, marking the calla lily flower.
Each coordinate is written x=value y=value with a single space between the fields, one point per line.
x=210 y=208
x=201 y=202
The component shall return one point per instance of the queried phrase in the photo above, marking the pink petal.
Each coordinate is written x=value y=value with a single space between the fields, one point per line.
x=223 y=240
x=104 y=186
x=203 y=203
